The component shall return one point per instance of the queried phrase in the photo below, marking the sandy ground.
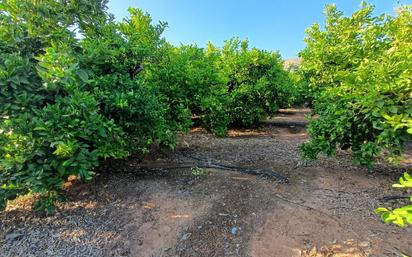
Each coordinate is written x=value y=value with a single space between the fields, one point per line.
x=324 y=210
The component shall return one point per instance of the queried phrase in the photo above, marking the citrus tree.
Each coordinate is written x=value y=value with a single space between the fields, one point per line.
x=359 y=73
x=256 y=82
x=68 y=102
x=233 y=86
x=182 y=76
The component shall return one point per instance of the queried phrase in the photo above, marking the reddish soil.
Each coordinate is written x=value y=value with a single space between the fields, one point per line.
x=326 y=209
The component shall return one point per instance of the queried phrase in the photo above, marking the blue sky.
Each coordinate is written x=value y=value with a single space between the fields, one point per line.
x=268 y=24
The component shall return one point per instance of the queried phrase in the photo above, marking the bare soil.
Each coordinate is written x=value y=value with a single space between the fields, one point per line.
x=326 y=208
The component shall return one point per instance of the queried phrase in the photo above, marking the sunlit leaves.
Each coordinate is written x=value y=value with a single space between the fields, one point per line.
x=67 y=104
x=358 y=73
x=400 y=216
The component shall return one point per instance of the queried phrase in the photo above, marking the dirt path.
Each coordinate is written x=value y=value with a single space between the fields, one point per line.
x=324 y=210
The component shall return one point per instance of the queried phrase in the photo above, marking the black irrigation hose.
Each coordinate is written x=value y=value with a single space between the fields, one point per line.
x=393 y=197
x=252 y=171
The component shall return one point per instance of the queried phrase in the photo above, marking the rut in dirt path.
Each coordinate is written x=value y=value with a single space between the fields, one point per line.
x=230 y=221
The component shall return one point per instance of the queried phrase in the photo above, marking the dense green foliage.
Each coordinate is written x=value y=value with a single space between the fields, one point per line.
x=359 y=75
x=183 y=77
x=66 y=102
x=256 y=82
x=232 y=86
x=77 y=87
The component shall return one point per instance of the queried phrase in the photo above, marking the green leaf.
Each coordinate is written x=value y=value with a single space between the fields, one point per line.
x=39 y=129
x=379 y=210
x=393 y=109
x=83 y=75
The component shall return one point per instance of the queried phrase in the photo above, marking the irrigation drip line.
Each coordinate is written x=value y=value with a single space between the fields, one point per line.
x=209 y=163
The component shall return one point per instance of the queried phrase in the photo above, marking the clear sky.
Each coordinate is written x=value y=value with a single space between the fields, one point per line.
x=268 y=24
